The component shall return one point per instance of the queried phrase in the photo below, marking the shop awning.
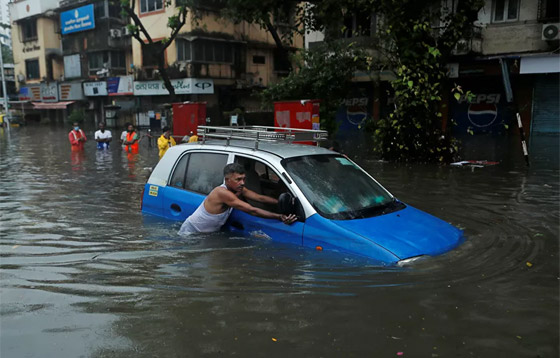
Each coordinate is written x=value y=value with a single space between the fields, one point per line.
x=51 y=105
x=540 y=64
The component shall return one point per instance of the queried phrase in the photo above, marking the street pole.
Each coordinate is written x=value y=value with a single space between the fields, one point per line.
x=3 y=81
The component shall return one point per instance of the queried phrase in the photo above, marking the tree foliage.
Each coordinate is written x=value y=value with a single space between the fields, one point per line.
x=418 y=53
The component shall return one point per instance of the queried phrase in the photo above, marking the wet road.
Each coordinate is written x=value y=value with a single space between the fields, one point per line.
x=84 y=274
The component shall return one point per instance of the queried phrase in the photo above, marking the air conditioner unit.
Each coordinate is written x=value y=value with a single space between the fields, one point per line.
x=550 y=32
x=115 y=33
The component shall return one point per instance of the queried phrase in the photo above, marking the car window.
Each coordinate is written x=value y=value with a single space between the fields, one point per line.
x=261 y=179
x=205 y=171
x=178 y=177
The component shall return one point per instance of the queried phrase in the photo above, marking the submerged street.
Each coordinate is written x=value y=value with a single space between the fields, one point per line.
x=85 y=274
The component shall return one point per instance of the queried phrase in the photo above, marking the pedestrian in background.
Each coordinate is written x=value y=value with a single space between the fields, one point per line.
x=165 y=141
x=193 y=138
x=131 y=141
x=123 y=134
x=102 y=137
x=77 y=137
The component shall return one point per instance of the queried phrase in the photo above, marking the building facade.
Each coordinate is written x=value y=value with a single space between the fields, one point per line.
x=224 y=61
x=79 y=54
x=511 y=64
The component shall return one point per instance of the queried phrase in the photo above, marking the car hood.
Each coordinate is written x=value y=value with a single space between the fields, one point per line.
x=407 y=233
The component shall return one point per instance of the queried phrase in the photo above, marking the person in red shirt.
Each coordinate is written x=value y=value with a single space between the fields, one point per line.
x=77 y=138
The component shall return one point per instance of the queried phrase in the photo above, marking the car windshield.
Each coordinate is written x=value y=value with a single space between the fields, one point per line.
x=338 y=189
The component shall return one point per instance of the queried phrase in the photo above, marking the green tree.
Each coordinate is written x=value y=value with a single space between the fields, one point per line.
x=149 y=47
x=418 y=53
x=7 y=55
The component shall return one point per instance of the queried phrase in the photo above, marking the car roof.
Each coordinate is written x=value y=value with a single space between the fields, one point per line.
x=280 y=149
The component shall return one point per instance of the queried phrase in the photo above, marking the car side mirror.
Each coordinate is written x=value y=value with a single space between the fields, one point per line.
x=286 y=204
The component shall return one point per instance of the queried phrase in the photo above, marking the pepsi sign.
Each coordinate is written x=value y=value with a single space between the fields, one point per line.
x=485 y=113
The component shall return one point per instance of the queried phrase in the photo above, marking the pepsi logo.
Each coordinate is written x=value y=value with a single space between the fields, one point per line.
x=482 y=114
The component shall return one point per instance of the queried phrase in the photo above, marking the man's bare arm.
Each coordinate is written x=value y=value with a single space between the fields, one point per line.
x=233 y=201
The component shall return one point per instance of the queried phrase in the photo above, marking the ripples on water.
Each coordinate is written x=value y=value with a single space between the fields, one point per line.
x=83 y=273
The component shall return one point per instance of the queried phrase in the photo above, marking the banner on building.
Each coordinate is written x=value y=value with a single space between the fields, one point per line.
x=79 y=19
x=120 y=86
x=182 y=86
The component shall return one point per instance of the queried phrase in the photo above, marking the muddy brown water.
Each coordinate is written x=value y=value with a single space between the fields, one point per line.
x=84 y=274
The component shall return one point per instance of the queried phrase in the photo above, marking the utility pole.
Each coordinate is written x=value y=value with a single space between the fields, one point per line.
x=3 y=80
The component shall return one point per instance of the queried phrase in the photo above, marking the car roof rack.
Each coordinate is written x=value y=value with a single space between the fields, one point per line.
x=261 y=134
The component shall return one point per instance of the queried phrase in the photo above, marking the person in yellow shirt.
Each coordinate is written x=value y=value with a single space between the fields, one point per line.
x=193 y=138
x=165 y=141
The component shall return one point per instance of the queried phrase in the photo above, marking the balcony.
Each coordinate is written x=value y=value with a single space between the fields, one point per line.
x=27 y=8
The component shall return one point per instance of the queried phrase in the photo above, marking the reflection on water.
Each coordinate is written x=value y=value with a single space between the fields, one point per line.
x=83 y=273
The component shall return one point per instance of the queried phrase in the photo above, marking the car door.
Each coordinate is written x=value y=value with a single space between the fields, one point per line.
x=264 y=180
x=194 y=176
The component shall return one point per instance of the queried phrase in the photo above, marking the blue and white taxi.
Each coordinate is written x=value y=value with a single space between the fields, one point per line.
x=340 y=207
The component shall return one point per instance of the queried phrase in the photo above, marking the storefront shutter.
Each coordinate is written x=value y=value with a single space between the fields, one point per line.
x=546 y=111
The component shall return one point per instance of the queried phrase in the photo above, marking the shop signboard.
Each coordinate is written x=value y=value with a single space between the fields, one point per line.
x=70 y=91
x=49 y=92
x=30 y=93
x=92 y=89
x=76 y=20
x=182 y=86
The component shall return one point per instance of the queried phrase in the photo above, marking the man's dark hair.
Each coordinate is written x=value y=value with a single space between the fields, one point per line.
x=165 y=129
x=233 y=168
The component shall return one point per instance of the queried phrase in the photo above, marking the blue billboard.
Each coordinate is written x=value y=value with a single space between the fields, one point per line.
x=79 y=19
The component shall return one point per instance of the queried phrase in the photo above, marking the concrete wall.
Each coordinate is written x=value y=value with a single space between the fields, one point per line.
x=522 y=35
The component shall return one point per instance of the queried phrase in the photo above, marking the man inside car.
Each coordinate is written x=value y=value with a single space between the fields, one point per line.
x=214 y=211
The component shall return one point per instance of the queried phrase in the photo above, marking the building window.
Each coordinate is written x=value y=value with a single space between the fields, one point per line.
x=29 y=30
x=183 y=50
x=106 y=59
x=358 y=24
x=506 y=10
x=99 y=10
x=150 y=5
x=32 y=69
x=258 y=60
x=212 y=51
x=549 y=10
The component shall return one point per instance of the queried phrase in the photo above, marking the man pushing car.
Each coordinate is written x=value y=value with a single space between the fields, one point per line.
x=214 y=211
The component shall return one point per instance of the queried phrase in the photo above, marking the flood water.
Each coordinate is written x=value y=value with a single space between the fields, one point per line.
x=85 y=274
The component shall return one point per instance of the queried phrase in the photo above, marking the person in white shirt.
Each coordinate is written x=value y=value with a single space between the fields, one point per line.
x=123 y=134
x=102 y=137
